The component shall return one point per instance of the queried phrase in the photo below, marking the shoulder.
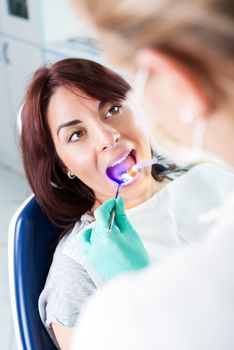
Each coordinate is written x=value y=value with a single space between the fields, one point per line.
x=210 y=180
x=66 y=274
x=67 y=287
x=203 y=188
x=67 y=280
x=63 y=264
x=206 y=177
x=70 y=241
x=211 y=171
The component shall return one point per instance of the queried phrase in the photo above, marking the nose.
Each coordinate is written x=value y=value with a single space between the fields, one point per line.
x=107 y=138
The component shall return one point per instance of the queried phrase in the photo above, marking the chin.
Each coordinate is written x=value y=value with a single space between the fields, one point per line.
x=138 y=187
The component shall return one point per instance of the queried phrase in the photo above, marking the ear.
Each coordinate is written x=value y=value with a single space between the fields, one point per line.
x=176 y=79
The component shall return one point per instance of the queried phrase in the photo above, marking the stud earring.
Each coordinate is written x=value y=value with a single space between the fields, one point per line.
x=70 y=175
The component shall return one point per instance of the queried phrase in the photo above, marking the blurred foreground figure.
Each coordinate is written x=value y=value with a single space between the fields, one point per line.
x=184 y=303
x=181 y=55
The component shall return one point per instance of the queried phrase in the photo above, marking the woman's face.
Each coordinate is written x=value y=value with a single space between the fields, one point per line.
x=91 y=137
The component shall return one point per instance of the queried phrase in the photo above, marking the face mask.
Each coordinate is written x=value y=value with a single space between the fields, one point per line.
x=164 y=144
x=183 y=154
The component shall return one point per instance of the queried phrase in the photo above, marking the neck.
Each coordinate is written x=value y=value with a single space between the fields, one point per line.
x=131 y=202
x=154 y=187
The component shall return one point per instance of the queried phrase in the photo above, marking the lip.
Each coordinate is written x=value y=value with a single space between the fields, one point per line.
x=120 y=158
x=119 y=165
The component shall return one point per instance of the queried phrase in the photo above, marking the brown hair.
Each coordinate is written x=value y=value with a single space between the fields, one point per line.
x=199 y=33
x=63 y=200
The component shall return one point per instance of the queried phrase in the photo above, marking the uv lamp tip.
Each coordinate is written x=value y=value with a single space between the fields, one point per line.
x=132 y=172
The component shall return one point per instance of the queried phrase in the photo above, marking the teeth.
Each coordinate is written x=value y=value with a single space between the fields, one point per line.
x=119 y=160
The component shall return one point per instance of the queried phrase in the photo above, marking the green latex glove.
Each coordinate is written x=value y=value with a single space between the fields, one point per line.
x=116 y=252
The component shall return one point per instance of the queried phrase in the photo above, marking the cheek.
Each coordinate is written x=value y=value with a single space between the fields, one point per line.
x=140 y=137
x=144 y=147
x=78 y=162
x=83 y=166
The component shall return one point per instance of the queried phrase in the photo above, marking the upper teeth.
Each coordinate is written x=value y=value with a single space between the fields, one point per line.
x=119 y=160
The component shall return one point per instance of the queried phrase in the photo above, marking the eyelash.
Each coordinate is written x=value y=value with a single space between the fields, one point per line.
x=74 y=133
x=112 y=108
x=83 y=132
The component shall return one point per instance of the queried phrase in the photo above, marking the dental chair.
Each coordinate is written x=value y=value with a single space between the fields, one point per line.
x=31 y=241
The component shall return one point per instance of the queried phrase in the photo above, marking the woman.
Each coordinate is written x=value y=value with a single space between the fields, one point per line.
x=73 y=131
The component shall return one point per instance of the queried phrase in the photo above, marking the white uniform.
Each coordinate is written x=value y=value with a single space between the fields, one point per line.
x=183 y=303
x=169 y=219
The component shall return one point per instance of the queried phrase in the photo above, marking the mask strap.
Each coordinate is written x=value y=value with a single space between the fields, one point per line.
x=199 y=133
x=140 y=81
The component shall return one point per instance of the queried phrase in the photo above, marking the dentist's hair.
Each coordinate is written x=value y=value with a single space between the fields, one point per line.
x=198 y=33
x=63 y=200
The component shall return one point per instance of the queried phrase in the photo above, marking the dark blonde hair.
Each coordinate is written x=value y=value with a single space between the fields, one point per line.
x=198 y=33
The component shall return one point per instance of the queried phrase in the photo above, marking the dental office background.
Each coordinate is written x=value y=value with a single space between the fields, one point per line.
x=32 y=32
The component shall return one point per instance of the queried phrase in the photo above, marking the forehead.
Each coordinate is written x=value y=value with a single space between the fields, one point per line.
x=65 y=104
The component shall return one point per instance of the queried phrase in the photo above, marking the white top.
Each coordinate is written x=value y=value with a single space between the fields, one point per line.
x=169 y=219
x=165 y=222
x=185 y=303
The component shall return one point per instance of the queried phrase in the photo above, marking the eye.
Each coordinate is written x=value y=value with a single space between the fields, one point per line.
x=113 y=110
x=76 y=136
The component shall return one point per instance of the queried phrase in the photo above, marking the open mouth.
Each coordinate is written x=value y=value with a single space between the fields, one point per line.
x=117 y=170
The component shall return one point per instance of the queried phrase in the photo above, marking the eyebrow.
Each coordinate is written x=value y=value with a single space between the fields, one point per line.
x=77 y=121
x=70 y=123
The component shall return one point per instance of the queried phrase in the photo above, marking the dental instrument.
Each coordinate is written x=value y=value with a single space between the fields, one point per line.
x=128 y=176
x=112 y=215
x=133 y=171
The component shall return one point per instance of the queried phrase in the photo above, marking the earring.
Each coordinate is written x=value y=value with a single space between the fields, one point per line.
x=70 y=175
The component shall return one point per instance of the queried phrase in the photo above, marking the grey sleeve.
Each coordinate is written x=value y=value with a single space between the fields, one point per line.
x=67 y=287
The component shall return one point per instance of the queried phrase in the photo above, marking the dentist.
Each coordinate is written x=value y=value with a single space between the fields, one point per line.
x=186 y=52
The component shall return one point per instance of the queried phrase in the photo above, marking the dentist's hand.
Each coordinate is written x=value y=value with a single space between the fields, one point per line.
x=116 y=252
